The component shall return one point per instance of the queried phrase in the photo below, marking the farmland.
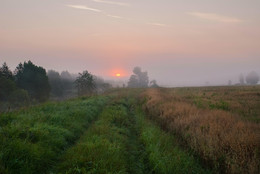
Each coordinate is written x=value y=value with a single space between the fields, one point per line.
x=156 y=130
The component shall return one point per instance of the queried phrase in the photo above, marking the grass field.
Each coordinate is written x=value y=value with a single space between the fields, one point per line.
x=179 y=130
x=208 y=121
x=243 y=101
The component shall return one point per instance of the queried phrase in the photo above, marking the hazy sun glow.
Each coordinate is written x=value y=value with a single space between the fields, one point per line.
x=118 y=72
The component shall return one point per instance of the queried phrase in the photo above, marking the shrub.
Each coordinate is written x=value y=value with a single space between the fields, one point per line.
x=19 y=97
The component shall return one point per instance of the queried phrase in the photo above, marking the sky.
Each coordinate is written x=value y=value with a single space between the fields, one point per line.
x=179 y=42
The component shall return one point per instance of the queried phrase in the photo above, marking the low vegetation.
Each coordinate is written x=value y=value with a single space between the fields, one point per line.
x=133 y=131
x=124 y=141
x=33 y=139
x=163 y=152
x=243 y=101
x=103 y=147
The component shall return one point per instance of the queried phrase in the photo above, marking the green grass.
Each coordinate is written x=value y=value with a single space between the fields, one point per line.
x=124 y=141
x=102 y=149
x=33 y=139
x=103 y=134
x=163 y=153
x=220 y=105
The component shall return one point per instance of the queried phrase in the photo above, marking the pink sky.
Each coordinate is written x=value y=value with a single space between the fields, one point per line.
x=179 y=42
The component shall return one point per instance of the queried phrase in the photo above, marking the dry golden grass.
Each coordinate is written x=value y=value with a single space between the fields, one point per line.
x=221 y=138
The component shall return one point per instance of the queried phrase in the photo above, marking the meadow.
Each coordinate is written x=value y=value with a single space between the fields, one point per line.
x=154 y=130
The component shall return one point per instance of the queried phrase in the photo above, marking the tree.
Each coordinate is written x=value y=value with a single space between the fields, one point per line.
x=66 y=75
x=100 y=84
x=133 y=82
x=85 y=83
x=153 y=84
x=139 y=79
x=19 y=97
x=55 y=83
x=6 y=88
x=229 y=83
x=34 y=80
x=252 y=78
x=7 y=84
x=67 y=82
x=5 y=72
x=241 y=79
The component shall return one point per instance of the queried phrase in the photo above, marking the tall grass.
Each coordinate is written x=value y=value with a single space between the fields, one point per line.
x=33 y=139
x=162 y=151
x=220 y=138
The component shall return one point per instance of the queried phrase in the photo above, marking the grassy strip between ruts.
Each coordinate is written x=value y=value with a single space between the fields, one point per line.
x=102 y=149
x=33 y=139
x=162 y=151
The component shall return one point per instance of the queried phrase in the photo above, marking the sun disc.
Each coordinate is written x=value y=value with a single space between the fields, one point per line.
x=118 y=75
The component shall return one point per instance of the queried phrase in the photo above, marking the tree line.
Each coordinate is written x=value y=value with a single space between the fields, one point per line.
x=29 y=83
x=140 y=79
x=251 y=78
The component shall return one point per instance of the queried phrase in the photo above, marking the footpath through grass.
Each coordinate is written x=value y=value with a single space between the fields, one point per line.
x=109 y=146
x=124 y=141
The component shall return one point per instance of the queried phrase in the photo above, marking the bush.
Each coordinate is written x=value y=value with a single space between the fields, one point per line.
x=6 y=88
x=19 y=97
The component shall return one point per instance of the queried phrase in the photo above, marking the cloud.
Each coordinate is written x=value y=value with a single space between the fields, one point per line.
x=84 y=8
x=215 y=17
x=114 y=16
x=112 y=2
x=157 y=24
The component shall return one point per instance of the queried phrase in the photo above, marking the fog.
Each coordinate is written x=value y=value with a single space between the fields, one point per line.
x=174 y=72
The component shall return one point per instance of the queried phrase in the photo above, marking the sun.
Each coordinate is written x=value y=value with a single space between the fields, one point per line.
x=118 y=75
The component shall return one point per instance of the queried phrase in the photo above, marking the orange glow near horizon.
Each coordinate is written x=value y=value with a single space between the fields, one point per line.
x=118 y=72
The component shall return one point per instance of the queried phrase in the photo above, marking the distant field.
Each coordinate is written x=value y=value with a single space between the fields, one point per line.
x=243 y=101
x=179 y=130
